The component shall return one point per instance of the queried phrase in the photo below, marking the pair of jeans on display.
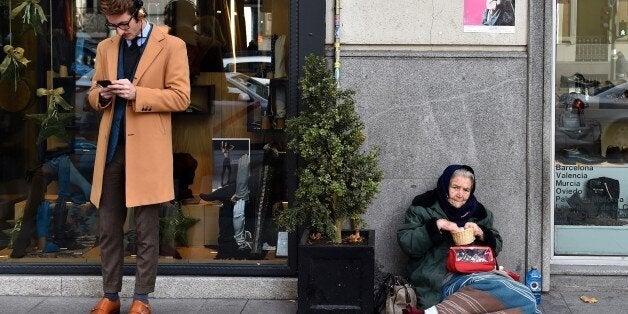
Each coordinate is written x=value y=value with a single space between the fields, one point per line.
x=66 y=174
x=241 y=196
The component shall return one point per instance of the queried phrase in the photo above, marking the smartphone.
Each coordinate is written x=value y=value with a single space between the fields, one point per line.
x=104 y=83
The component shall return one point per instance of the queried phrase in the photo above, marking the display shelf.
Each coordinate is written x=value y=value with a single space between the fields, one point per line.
x=191 y=255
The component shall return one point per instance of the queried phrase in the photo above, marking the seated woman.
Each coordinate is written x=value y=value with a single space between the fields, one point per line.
x=425 y=237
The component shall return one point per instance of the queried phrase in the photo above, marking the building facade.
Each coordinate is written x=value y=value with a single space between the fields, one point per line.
x=232 y=171
x=536 y=109
x=533 y=103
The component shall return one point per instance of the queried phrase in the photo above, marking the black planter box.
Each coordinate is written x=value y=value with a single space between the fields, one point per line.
x=336 y=278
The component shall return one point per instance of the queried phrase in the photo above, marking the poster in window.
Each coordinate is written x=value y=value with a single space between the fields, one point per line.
x=489 y=16
x=226 y=153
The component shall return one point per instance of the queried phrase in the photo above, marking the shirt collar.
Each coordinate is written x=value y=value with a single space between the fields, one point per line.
x=144 y=35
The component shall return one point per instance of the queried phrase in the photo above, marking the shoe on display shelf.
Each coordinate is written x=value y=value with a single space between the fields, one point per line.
x=572 y=156
x=615 y=155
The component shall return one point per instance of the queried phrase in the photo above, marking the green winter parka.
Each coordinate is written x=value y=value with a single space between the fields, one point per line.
x=427 y=247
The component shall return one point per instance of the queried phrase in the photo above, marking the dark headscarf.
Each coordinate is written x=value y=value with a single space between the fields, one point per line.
x=458 y=215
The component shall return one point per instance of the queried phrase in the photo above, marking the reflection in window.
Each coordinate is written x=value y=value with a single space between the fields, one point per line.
x=237 y=54
x=591 y=127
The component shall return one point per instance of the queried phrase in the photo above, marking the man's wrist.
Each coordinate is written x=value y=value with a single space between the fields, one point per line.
x=102 y=100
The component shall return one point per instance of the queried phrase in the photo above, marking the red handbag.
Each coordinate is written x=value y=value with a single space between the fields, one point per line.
x=411 y=309
x=470 y=259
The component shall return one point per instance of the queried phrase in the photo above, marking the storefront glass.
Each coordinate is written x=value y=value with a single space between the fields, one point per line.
x=238 y=59
x=591 y=128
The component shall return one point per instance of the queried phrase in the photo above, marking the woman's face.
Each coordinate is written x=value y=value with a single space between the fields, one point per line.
x=459 y=190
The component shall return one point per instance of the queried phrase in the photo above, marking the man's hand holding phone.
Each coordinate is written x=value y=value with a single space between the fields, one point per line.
x=122 y=88
x=104 y=83
x=104 y=91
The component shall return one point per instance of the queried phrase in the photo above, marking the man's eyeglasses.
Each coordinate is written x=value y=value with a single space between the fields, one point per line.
x=123 y=26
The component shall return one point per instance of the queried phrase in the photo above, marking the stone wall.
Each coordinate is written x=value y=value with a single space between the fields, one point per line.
x=426 y=110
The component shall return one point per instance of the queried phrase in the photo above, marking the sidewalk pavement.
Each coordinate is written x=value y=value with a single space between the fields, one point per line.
x=568 y=301
x=559 y=302
x=69 y=305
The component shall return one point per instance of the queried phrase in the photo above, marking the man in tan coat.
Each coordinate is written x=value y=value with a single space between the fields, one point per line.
x=141 y=76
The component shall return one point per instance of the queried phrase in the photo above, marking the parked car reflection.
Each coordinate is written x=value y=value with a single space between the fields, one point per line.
x=249 y=88
x=254 y=91
x=610 y=97
x=256 y=66
x=85 y=54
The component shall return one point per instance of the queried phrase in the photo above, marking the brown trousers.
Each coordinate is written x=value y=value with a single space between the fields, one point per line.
x=113 y=214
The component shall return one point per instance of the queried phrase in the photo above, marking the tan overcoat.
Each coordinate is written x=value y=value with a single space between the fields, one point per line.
x=162 y=86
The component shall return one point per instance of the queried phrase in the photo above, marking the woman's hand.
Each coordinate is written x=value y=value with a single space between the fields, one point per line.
x=477 y=231
x=444 y=224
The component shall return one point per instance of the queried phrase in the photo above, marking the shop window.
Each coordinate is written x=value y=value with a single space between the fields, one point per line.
x=238 y=59
x=590 y=193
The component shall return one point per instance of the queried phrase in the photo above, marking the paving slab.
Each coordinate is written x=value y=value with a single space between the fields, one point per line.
x=553 y=302
x=71 y=305
x=609 y=302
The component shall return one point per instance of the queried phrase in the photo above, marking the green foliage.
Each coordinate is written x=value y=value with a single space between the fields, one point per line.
x=13 y=231
x=173 y=228
x=51 y=123
x=336 y=180
x=12 y=73
x=32 y=16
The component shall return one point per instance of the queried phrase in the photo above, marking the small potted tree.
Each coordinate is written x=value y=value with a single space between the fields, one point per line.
x=337 y=180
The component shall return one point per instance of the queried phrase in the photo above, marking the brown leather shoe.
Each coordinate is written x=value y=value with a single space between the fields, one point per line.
x=139 y=307
x=106 y=306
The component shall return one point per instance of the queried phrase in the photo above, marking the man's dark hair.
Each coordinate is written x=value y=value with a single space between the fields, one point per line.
x=117 y=7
